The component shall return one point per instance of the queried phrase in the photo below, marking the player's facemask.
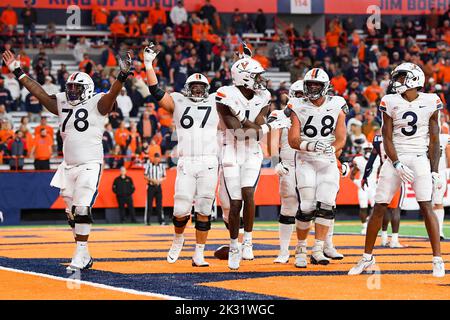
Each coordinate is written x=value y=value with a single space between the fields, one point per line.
x=75 y=93
x=401 y=79
x=259 y=82
x=299 y=94
x=314 y=89
x=196 y=91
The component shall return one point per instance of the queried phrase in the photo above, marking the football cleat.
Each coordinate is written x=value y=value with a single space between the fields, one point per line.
x=317 y=257
x=234 y=258
x=282 y=258
x=396 y=244
x=81 y=260
x=199 y=262
x=247 y=251
x=300 y=257
x=332 y=253
x=175 y=250
x=438 y=267
x=362 y=265
x=384 y=243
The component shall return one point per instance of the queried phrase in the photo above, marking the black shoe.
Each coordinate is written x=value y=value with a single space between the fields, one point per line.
x=442 y=238
x=148 y=224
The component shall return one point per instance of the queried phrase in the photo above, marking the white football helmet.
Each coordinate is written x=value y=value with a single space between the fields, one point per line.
x=414 y=77
x=192 y=79
x=247 y=72
x=315 y=76
x=79 y=88
x=296 y=87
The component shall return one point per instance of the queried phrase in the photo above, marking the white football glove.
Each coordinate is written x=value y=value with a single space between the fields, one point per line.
x=317 y=146
x=438 y=184
x=329 y=150
x=150 y=54
x=125 y=63
x=405 y=173
x=281 y=169
x=280 y=123
x=11 y=61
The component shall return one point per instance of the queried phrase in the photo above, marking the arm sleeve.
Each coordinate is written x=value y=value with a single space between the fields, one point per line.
x=372 y=158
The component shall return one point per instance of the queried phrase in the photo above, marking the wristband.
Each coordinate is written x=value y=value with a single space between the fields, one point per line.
x=156 y=92
x=18 y=72
x=122 y=77
x=395 y=163
x=304 y=145
x=265 y=128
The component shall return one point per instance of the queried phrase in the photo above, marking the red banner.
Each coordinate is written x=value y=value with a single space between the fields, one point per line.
x=390 y=7
x=250 y=6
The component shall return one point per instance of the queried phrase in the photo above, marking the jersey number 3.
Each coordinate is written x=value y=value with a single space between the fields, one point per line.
x=81 y=124
x=411 y=123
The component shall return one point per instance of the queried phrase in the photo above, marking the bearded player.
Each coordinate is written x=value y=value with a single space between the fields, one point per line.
x=242 y=109
x=411 y=142
x=196 y=120
x=317 y=133
x=82 y=115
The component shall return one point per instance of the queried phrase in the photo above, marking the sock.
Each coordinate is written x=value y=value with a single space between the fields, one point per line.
x=384 y=236
x=179 y=236
x=329 y=238
x=81 y=244
x=285 y=233
x=364 y=225
x=394 y=237
x=248 y=236
x=437 y=259
x=318 y=245
x=440 y=216
x=199 y=249
x=234 y=243
x=367 y=256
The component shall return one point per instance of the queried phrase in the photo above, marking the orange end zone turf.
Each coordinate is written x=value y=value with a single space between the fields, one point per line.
x=130 y=263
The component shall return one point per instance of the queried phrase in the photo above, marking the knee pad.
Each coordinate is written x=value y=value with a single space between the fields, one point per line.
x=303 y=225
x=304 y=216
x=324 y=222
x=289 y=206
x=182 y=206
x=325 y=213
x=286 y=220
x=180 y=223
x=203 y=225
x=82 y=214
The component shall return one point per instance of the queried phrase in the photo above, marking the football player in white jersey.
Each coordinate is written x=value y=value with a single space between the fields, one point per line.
x=366 y=195
x=82 y=117
x=317 y=133
x=438 y=197
x=411 y=142
x=196 y=121
x=285 y=169
x=242 y=109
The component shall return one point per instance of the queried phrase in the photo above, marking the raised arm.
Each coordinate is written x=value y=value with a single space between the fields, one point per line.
x=106 y=103
x=48 y=101
x=164 y=99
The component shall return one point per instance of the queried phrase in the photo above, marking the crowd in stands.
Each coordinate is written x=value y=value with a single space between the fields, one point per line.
x=189 y=42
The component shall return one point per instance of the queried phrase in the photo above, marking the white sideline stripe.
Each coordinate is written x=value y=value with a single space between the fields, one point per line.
x=93 y=284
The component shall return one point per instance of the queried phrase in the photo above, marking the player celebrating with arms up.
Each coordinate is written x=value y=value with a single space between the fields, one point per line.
x=82 y=116
x=318 y=132
x=196 y=120
x=410 y=131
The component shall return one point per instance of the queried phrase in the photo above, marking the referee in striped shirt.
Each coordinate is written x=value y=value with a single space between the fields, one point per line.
x=155 y=173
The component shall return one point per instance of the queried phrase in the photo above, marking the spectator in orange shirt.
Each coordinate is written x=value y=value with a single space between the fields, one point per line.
x=197 y=28
x=157 y=13
x=43 y=124
x=383 y=61
x=146 y=28
x=339 y=83
x=133 y=27
x=373 y=92
x=332 y=38
x=117 y=28
x=25 y=61
x=135 y=143
x=42 y=150
x=100 y=17
x=29 y=139
x=121 y=136
x=165 y=118
x=6 y=132
x=9 y=19
x=153 y=149
x=262 y=59
x=84 y=64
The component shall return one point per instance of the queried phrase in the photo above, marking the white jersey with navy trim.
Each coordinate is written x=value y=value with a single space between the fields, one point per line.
x=287 y=154
x=196 y=125
x=81 y=128
x=317 y=123
x=443 y=142
x=411 y=120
